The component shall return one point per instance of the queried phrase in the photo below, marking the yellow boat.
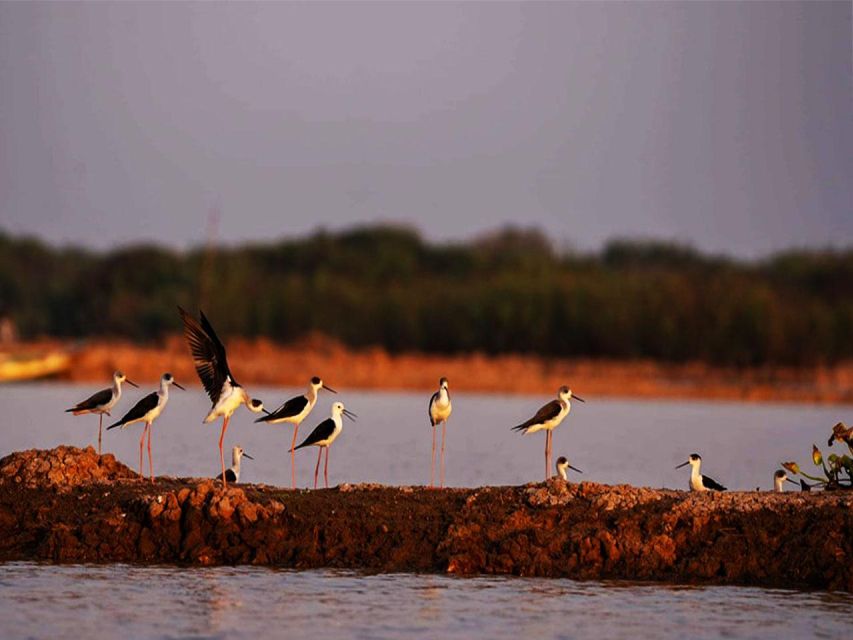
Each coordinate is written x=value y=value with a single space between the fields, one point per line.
x=32 y=366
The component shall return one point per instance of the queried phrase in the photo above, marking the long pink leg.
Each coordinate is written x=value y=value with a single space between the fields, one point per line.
x=547 y=433
x=326 y=468
x=221 y=454
x=150 y=461
x=443 y=431
x=100 y=431
x=141 y=445
x=432 y=467
x=293 y=457
x=317 y=468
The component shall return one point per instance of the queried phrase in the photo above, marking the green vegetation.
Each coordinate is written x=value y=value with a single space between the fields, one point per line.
x=837 y=469
x=507 y=292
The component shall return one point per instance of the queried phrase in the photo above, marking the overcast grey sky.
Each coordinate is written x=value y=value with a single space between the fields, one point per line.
x=727 y=124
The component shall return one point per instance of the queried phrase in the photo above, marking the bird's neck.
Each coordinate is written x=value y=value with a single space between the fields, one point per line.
x=562 y=472
x=235 y=460
x=116 y=387
x=778 y=482
x=312 y=395
x=443 y=396
x=694 y=472
x=163 y=391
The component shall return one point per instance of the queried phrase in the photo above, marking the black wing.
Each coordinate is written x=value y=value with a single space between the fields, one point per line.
x=321 y=432
x=292 y=407
x=208 y=354
x=546 y=413
x=712 y=484
x=96 y=400
x=230 y=476
x=432 y=399
x=139 y=409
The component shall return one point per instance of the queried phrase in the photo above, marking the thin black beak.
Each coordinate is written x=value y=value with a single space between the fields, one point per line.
x=793 y=481
x=246 y=455
x=327 y=388
x=683 y=464
x=578 y=398
x=350 y=415
x=131 y=383
x=265 y=411
x=178 y=386
x=574 y=468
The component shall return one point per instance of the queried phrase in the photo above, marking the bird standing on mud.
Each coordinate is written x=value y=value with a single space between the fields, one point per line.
x=779 y=479
x=563 y=466
x=547 y=418
x=101 y=402
x=295 y=411
x=324 y=434
x=148 y=410
x=698 y=482
x=439 y=411
x=233 y=474
x=210 y=362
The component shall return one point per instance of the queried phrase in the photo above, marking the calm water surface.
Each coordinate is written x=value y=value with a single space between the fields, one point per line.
x=612 y=441
x=46 y=601
x=637 y=442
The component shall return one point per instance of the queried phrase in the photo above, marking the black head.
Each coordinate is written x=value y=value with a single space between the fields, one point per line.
x=257 y=404
x=779 y=474
x=562 y=460
x=695 y=457
x=316 y=380
x=168 y=377
x=443 y=382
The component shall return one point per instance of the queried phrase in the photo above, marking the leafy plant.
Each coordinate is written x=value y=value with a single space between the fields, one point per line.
x=837 y=469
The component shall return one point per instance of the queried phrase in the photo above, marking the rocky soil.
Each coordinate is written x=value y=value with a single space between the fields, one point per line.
x=69 y=505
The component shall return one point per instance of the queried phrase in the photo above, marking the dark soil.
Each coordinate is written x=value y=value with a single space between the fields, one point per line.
x=69 y=505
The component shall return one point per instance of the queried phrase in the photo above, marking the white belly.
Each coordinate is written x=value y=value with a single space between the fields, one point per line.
x=232 y=398
x=696 y=484
x=440 y=411
x=551 y=424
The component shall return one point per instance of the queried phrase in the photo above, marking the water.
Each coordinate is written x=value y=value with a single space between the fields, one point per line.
x=160 y=602
x=612 y=441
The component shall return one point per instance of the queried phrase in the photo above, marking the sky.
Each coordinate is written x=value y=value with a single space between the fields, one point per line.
x=726 y=125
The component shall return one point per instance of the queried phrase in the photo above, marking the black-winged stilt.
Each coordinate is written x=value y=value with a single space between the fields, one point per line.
x=547 y=418
x=102 y=402
x=439 y=411
x=237 y=454
x=779 y=479
x=324 y=434
x=698 y=482
x=147 y=410
x=211 y=364
x=563 y=466
x=295 y=411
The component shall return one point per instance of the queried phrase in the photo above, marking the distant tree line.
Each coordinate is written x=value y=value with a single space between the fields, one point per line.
x=507 y=292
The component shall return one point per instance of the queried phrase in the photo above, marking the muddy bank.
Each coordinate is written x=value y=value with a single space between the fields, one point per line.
x=259 y=362
x=67 y=505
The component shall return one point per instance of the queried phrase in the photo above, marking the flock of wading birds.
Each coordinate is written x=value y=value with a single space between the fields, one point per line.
x=227 y=395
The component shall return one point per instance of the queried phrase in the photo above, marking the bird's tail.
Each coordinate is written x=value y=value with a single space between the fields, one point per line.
x=262 y=419
x=115 y=424
x=520 y=427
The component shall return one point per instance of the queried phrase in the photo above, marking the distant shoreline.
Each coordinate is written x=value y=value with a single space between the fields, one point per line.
x=263 y=362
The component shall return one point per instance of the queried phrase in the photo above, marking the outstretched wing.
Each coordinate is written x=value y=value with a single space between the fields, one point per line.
x=321 y=432
x=546 y=413
x=712 y=484
x=292 y=407
x=208 y=354
x=94 y=401
x=138 y=411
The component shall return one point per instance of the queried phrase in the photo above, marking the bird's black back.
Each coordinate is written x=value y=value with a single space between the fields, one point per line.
x=139 y=409
x=712 y=484
x=292 y=407
x=433 y=398
x=230 y=476
x=94 y=401
x=321 y=432
x=546 y=413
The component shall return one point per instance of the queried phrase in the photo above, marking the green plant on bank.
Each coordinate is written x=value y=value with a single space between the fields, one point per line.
x=837 y=469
